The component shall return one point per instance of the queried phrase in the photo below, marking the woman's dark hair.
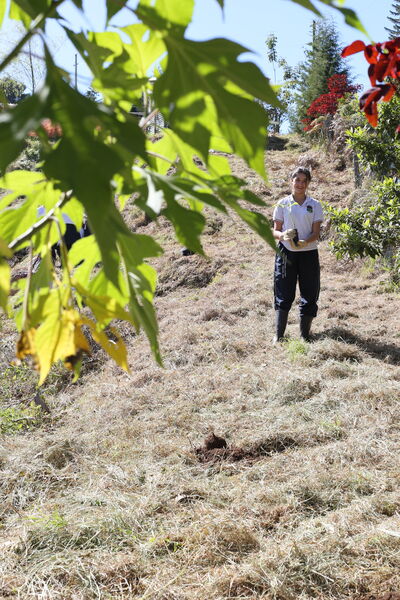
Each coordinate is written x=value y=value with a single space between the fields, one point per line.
x=302 y=170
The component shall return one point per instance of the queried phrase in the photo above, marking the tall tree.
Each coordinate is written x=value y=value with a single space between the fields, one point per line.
x=278 y=114
x=323 y=59
x=394 y=18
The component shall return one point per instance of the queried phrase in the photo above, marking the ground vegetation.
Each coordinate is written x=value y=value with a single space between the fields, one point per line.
x=238 y=470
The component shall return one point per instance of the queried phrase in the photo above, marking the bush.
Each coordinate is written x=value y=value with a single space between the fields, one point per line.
x=378 y=149
x=371 y=229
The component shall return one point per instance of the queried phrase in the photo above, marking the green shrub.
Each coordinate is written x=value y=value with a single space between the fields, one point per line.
x=371 y=229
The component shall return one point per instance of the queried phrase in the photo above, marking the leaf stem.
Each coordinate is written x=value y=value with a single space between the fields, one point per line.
x=146 y=120
x=25 y=311
x=40 y=224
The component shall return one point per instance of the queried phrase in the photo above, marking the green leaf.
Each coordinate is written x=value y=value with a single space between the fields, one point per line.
x=3 y=11
x=120 y=69
x=96 y=137
x=5 y=273
x=142 y=285
x=114 y=6
x=166 y=15
x=86 y=254
x=27 y=10
x=141 y=280
x=198 y=71
x=309 y=5
x=100 y=285
x=18 y=14
x=5 y=251
x=135 y=247
x=144 y=54
x=188 y=224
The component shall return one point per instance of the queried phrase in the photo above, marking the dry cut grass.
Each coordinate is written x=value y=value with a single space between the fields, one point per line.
x=116 y=493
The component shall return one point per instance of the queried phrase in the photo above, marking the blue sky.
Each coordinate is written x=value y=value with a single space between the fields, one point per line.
x=248 y=23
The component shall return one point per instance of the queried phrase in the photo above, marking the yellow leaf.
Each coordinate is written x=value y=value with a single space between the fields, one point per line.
x=60 y=338
x=4 y=283
x=103 y=307
x=115 y=349
x=26 y=345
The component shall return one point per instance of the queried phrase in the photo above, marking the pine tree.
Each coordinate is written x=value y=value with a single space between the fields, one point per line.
x=395 y=19
x=323 y=59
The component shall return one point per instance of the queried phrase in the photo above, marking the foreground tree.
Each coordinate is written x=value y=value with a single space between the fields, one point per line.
x=207 y=96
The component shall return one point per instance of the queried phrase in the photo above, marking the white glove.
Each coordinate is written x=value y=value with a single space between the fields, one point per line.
x=288 y=234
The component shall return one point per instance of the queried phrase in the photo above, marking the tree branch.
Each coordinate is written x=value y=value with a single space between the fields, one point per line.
x=146 y=120
x=40 y=19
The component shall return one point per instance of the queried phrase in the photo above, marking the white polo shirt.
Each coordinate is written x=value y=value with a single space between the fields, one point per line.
x=300 y=217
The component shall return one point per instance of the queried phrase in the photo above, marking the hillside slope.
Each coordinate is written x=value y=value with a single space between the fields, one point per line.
x=119 y=491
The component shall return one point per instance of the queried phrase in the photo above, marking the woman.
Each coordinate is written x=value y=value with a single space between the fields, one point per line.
x=297 y=222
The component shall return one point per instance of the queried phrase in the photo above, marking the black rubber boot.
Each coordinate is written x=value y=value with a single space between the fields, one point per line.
x=281 y=317
x=305 y=326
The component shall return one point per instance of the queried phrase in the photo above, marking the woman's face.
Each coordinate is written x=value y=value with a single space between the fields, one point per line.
x=300 y=183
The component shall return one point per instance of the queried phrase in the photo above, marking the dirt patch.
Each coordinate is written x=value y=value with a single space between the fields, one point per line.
x=60 y=455
x=275 y=142
x=188 y=271
x=216 y=449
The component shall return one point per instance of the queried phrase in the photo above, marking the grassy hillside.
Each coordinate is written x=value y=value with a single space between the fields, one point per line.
x=119 y=492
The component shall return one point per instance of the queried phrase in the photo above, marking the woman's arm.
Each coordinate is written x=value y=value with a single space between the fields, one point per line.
x=277 y=231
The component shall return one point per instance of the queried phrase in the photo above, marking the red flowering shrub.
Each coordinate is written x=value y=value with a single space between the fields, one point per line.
x=384 y=66
x=327 y=104
x=52 y=130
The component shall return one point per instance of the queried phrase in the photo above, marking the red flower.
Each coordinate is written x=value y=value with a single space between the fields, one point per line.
x=384 y=61
x=369 y=99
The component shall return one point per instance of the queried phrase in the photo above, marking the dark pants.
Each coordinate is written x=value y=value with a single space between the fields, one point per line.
x=291 y=267
x=70 y=236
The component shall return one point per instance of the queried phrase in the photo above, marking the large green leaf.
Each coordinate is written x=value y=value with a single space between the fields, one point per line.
x=92 y=136
x=166 y=15
x=197 y=71
x=16 y=220
x=145 y=48
x=113 y=65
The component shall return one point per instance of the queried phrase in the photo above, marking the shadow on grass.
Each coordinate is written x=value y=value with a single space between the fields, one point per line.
x=389 y=353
